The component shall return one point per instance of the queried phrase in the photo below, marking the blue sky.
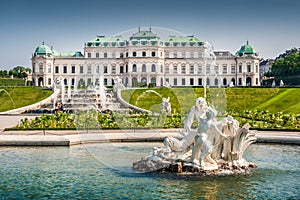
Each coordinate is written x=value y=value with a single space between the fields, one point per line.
x=271 y=26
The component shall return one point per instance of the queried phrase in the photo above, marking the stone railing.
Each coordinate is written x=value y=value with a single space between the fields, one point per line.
x=32 y=106
x=122 y=101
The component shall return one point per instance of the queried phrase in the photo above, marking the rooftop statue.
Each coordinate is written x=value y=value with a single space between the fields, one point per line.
x=215 y=146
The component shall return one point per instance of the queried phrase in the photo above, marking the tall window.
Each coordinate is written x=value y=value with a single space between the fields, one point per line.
x=191 y=81
x=134 y=54
x=89 y=55
x=183 y=70
x=248 y=68
x=98 y=70
x=121 y=69
x=200 y=70
x=153 y=68
x=113 y=69
x=41 y=68
x=224 y=69
x=105 y=70
x=240 y=81
x=216 y=68
x=49 y=68
x=240 y=68
x=56 y=69
x=89 y=70
x=144 y=54
x=199 y=81
x=256 y=68
x=134 y=68
x=175 y=81
x=65 y=69
x=191 y=69
x=143 y=68
x=81 y=70
x=232 y=69
x=175 y=70
x=73 y=69
x=105 y=55
x=191 y=54
x=199 y=55
x=97 y=55
x=153 y=53
x=167 y=70
x=208 y=69
x=183 y=81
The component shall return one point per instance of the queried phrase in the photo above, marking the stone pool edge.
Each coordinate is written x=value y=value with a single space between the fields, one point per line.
x=69 y=138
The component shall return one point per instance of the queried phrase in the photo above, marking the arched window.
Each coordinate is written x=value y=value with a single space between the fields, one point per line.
x=216 y=81
x=153 y=80
x=224 y=81
x=40 y=81
x=233 y=81
x=248 y=81
x=153 y=68
x=134 y=68
x=207 y=81
x=144 y=81
x=134 y=82
x=143 y=68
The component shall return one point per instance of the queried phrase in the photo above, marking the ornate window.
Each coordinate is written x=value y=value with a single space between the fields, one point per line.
x=153 y=68
x=144 y=68
x=134 y=68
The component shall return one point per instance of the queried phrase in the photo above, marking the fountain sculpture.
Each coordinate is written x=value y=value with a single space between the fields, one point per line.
x=215 y=146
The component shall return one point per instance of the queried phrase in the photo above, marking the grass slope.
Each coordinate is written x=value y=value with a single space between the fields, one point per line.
x=285 y=100
x=15 y=97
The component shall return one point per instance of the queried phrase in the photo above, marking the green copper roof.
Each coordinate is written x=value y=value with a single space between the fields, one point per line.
x=144 y=35
x=246 y=50
x=69 y=54
x=106 y=41
x=183 y=40
x=43 y=50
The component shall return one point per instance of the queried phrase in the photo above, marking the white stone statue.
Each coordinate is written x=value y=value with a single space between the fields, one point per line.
x=181 y=144
x=117 y=84
x=281 y=83
x=206 y=140
x=214 y=145
x=165 y=106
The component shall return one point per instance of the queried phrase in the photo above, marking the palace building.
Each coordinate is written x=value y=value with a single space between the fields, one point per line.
x=145 y=59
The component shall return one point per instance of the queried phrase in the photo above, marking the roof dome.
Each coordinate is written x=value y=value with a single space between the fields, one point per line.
x=246 y=50
x=44 y=50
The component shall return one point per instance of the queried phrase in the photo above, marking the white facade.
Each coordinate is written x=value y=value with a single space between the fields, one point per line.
x=145 y=59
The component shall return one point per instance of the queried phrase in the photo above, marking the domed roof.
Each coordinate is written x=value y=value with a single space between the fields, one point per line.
x=246 y=50
x=44 y=50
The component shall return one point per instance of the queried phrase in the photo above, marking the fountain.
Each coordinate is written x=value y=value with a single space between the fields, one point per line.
x=5 y=91
x=214 y=147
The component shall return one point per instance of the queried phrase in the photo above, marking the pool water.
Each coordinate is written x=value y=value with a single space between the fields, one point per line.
x=98 y=171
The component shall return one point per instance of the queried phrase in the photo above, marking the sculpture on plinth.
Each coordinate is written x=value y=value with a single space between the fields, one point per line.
x=214 y=146
x=165 y=106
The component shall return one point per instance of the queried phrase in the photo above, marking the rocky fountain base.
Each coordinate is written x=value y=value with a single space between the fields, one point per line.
x=214 y=148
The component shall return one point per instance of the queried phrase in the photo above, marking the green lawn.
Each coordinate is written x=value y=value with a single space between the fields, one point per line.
x=286 y=100
x=15 y=97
